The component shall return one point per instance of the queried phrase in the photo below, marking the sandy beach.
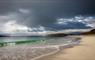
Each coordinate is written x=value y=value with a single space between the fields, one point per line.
x=84 y=51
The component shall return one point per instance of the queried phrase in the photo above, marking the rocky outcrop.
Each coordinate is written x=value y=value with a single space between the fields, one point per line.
x=90 y=32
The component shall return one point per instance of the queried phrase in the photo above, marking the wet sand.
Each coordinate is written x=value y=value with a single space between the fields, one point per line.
x=84 y=51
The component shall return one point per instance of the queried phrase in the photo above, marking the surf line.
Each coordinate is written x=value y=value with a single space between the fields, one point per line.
x=58 y=48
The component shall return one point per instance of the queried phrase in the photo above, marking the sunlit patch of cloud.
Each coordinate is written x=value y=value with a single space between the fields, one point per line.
x=77 y=19
x=8 y=17
x=9 y=23
x=13 y=27
x=26 y=11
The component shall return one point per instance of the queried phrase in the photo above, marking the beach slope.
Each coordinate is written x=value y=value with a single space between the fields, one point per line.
x=84 y=51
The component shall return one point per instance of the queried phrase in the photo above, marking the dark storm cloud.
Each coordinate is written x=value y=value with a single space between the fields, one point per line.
x=6 y=6
x=45 y=12
x=58 y=7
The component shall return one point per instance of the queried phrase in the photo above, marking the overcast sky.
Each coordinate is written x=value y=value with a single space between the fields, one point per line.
x=43 y=12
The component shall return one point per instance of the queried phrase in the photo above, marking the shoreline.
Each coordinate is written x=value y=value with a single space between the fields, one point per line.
x=76 y=52
x=59 y=48
x=30 y=52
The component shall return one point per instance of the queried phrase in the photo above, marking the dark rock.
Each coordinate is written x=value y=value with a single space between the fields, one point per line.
x=90 y=32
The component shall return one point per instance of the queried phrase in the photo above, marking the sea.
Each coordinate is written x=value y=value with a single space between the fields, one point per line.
x=12 y=41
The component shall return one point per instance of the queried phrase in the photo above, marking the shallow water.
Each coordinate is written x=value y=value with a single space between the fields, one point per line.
x=4 y=41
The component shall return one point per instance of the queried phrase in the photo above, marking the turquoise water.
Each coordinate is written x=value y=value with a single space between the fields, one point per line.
x=5 y=41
